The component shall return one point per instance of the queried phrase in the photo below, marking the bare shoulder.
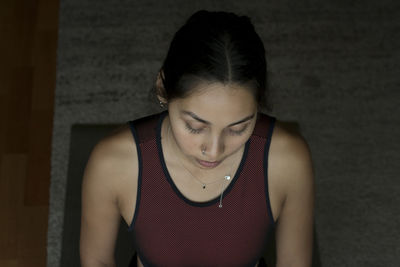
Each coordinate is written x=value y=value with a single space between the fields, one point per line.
x=292 y=191
x=118 y=143
x=291 y=160
x=289 y=144
x=109 y=170
x=113 y=162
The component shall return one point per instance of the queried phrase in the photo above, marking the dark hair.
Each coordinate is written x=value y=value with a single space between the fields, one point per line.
x=215 y=47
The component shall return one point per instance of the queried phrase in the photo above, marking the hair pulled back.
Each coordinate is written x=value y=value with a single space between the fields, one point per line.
x=214 y=47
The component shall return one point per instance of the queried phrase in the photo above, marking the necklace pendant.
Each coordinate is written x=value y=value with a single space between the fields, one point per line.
x=204 y=186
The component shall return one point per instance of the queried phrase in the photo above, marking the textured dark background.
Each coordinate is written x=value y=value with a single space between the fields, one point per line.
x=333 y=67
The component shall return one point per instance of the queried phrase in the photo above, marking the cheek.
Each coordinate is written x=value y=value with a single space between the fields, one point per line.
x=188 y=143
x=234 y=144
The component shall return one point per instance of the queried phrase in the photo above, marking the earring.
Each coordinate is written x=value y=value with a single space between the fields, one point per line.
x=162 y=104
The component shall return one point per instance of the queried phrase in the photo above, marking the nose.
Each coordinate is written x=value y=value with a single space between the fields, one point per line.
x=214 y=147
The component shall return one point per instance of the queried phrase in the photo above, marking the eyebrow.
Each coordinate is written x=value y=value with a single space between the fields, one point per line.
x=197 y=118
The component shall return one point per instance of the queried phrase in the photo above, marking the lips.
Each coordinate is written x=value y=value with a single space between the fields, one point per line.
x=208 y=164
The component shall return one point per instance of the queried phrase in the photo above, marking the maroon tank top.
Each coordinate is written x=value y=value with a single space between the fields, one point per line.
x=171 y=230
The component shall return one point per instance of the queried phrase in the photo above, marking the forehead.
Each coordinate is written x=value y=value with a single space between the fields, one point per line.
x=217 y=101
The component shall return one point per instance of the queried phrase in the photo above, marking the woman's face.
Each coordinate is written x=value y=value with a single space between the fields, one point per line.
x=216 y=118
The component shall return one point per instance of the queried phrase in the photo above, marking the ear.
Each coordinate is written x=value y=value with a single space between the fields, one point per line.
x=160 y=90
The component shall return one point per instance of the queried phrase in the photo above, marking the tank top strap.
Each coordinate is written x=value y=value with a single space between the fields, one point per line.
x=146 y=128
x=264 y=126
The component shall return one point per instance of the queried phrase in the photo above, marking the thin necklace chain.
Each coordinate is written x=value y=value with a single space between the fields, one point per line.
x=226 y=177
x=203 y=184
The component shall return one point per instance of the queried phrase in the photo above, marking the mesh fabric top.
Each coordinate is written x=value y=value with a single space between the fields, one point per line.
x=171 y=230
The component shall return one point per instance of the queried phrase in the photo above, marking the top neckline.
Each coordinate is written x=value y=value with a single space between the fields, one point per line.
x=172 y=183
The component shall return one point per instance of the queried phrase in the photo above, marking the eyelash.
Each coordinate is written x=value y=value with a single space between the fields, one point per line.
x=192 y=130
x=240 y=132
x=231 y=132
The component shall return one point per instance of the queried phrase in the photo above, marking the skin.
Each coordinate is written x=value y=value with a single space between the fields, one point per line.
x=192 y=125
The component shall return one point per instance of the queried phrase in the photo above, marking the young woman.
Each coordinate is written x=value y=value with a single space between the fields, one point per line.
x=208 y=181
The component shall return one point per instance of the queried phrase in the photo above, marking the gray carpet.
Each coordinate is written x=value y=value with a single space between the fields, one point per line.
x=333 y=68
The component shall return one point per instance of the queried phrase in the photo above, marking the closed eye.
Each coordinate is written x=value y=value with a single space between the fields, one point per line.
x=240 y=131
x=230 y=130
x=193 y=130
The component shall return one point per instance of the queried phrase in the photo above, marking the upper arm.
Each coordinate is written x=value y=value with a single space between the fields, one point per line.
x=100 y=213
x=294 y=232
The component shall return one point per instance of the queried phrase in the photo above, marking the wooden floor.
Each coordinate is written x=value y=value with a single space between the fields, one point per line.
x=27 y=84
